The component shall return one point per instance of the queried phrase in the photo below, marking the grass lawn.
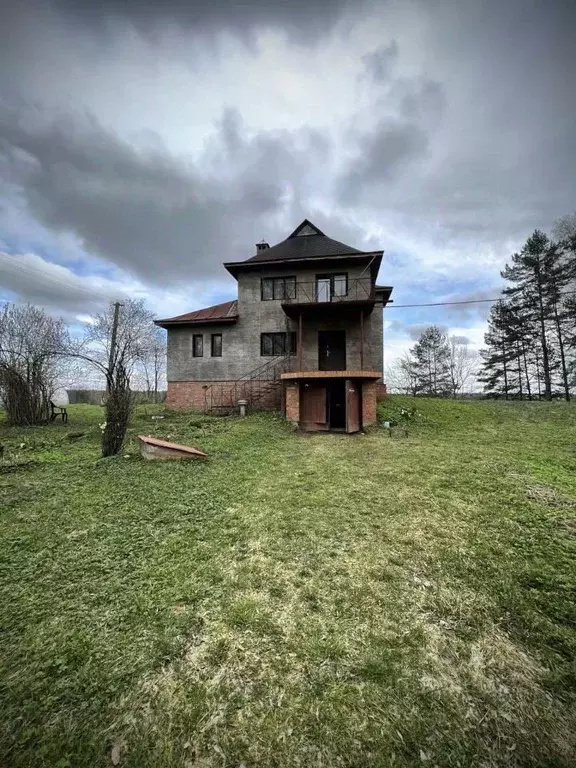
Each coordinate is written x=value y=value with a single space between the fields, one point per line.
x=297 y=600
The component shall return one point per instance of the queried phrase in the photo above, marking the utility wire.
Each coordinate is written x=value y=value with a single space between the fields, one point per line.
x=467 y=301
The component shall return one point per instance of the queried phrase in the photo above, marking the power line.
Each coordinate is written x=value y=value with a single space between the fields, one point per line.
x=467 y=301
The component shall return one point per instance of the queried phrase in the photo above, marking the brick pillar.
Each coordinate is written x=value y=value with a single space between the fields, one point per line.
x=293 y=401
x=368 y=403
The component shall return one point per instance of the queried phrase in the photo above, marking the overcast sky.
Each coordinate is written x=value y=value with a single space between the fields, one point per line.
x=144 y=143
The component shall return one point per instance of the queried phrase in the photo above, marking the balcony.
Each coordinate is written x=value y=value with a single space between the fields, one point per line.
x=328 y=296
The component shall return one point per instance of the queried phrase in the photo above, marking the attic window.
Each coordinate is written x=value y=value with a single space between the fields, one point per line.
x=307 y=230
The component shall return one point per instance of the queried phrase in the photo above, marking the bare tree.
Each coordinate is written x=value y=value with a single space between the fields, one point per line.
x=401 y=376
x=463 y=364
x=154 y=363
x=117 y=342
x=31 y=348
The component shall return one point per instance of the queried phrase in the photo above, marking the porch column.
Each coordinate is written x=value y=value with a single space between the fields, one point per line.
x=361 y=339
x=300 y=341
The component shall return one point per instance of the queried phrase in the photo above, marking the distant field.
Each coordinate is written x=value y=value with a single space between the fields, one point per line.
x=297 y=600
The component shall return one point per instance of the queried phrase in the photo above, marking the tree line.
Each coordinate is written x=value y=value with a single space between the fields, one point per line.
x=531 y=340
x=530 y=350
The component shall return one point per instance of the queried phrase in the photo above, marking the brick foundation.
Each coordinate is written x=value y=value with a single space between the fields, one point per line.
x=369 y=394
x=381 y=391
x=207 y=395
x=292 y=401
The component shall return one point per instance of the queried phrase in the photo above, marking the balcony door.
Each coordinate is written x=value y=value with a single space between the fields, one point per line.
x=331 y=287
x=331 y=350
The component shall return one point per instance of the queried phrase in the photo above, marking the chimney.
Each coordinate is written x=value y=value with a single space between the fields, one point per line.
x=261 y=246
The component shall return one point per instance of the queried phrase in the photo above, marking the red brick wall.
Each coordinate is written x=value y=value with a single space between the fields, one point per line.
x=293 y=402
x=369 y=391
x=197 y=395
x=381 y=391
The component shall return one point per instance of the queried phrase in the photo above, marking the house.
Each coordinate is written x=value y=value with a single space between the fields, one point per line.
x=305 y=336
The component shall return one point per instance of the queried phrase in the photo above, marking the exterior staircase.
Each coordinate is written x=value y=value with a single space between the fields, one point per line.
x=260 y=387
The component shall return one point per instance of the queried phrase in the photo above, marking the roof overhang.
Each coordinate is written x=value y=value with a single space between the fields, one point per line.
x=369 y=257
x=213 y=321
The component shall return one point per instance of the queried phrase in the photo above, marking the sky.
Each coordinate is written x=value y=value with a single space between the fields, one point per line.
x=143 y=143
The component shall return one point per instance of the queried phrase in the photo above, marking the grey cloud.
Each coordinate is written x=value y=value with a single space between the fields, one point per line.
x=379 y=64
x=304 y=21
x=380 y=156
x=53 y=287
x=413 y=108
x=462 y=340
x=145 y=210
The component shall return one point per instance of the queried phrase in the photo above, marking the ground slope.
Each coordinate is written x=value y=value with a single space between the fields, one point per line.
x=297 y=600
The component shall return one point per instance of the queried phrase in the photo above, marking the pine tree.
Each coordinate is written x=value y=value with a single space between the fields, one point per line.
x=529 y=272
x=497 y=370
x=431 y=355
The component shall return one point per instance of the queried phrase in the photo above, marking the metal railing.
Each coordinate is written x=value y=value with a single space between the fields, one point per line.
x=320 y=292
x=253 y=386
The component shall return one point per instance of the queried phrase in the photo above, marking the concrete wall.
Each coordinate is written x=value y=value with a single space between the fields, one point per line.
x=241 y=341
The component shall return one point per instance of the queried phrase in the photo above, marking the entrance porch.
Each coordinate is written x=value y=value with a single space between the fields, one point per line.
x=320 y=401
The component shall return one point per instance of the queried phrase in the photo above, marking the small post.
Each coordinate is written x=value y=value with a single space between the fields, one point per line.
x=242 y=405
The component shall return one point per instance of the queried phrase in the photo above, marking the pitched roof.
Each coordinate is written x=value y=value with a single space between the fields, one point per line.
x=306 y=242
x=219 y=313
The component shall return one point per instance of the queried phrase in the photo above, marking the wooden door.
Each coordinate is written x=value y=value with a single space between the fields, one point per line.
x=313 y=405
x=353 y=415
x=331 y=350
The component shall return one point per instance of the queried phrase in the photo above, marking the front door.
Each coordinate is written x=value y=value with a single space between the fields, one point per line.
x=331 y=350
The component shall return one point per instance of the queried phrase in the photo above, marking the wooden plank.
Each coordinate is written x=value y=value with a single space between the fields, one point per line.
x=152 y=448
x=352 y=406
x=331 y=375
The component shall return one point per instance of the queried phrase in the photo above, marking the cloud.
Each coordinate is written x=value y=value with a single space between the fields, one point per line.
x=441 y=132
x=144 y=209
x=379 y=63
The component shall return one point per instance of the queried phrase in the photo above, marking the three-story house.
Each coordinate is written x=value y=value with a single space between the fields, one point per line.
x=305 y=335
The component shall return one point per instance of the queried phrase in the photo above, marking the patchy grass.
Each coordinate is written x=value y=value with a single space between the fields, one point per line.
x=324 y=600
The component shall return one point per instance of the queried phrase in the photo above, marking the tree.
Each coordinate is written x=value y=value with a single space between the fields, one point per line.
x=401 y=376
x=31 y=347
x=529 y=274
x=497 y=357
x=117 y=341
x=431 y=361
x=463 y=364
x=154 y=363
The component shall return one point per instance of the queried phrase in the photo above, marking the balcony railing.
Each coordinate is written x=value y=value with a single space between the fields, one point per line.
x=322 y=292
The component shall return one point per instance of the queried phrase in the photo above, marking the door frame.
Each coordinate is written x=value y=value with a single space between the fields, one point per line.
x=339 y=331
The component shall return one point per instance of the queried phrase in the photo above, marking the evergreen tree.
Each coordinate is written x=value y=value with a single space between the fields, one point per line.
x=431 y=366
x=529 y=273
x=497 y=359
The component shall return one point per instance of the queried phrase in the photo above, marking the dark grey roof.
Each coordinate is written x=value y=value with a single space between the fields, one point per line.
x=306 y=242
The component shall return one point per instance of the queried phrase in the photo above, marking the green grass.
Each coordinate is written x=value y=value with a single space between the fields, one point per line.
x=297 y=600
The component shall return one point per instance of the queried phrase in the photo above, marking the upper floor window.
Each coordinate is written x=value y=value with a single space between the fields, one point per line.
x=330 y=287
x=197 y=345
x=216 y=345
x=272 y=344
x=278 y=288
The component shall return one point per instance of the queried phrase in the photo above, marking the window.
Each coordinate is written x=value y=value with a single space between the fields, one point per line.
x=197 y=345
x=278 y=288
x=216 y=345
x=273 y=344
x=330 y=287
